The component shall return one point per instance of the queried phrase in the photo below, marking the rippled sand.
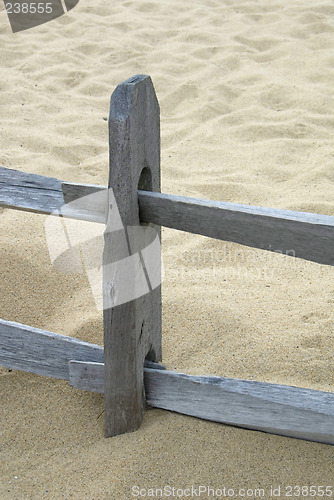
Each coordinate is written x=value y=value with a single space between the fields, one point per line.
x=246 y=96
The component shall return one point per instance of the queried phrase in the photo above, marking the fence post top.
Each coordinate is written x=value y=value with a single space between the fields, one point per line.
x=138 y=88
x=134 y=80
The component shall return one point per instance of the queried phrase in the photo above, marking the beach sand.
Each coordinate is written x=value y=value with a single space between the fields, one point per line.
x=247 y=116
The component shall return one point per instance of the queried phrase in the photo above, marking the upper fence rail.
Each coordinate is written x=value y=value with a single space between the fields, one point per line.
x=299 y=234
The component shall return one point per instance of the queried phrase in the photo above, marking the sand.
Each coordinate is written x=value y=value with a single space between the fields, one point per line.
x=247 y=116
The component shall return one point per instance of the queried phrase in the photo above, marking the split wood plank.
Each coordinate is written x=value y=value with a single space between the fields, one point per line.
x=33 y=350
x=273 y=408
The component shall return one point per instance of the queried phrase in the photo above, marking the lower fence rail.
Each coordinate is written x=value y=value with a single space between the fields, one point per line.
x=273 y=408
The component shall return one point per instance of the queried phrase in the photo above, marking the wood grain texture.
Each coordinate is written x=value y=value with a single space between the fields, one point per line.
x=300 y=234
x=37 y=351
x=297 y=234
x=277 y=409
x=47 y=195
x=29 y=192
x=89 y=376
x=132 y=326
x=33 y=350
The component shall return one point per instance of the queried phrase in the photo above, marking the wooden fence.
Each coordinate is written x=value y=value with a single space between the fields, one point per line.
x=126 y=370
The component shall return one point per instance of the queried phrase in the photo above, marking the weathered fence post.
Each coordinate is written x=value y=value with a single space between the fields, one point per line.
x=131 y=277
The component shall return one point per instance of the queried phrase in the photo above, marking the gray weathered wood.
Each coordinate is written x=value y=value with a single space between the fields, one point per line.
x=86 y=199
x=37 y=351
x=30 y=192
x=33 y=350
x=89 y=376
x=47 y=195
x=277 y=409
x=298 y=234
x=132 y=328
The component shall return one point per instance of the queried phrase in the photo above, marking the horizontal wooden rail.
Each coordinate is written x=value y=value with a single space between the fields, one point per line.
x=277 y=409
x=273 y=408
x=33 y=350
x=44 y=195
x=299 y=234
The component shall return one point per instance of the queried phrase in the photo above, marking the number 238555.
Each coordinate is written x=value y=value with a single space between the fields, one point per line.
x=28 y=8
x=308 y=491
